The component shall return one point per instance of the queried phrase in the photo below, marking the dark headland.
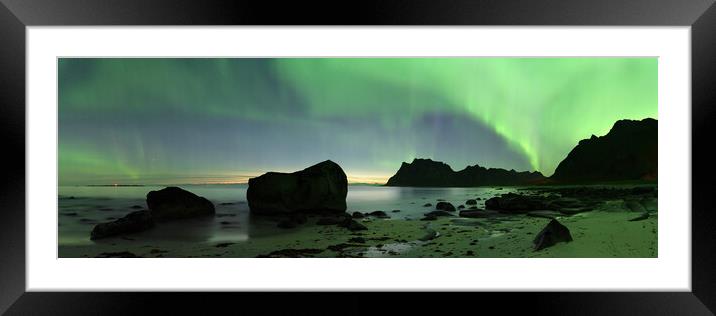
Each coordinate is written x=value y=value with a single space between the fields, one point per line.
x=628 y=153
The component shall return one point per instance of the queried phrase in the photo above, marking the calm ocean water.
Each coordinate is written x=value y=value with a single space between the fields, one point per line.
x=91 y=205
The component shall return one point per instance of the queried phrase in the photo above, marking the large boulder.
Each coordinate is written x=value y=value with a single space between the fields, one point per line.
x=320 y=188
x=176 y=203
x=133 y=222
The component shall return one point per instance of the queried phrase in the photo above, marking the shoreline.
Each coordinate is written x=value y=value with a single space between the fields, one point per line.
x=605 y=232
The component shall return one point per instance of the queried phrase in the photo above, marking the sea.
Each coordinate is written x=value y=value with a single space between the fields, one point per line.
x=82 y=207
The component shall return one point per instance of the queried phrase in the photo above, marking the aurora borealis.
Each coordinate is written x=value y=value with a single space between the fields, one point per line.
x=171 y=121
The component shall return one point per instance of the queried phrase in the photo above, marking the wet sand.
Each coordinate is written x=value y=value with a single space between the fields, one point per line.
x=597 y=234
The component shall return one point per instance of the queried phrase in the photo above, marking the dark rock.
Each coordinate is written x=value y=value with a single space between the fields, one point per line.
x=574 y=210
x=471 y=202
x=136 y=207
x=429 y=173
x=378 y=214
x=359 y=240
x=176 y=203
x=649 y=204
x=544 y=214
x=474 y=213
x=340 y=247
x=459 y=207
x=320 y=188
x=551 y=234
x=438 y=214
x=427 y=205
x=429 y=218
x=355 y=226
x=641 y=217
x=339 y=219
x=395 y=211
x=558 y=203
x=445 y=206
x=292 y=253
x=634 y=206
x=430 y=234
x=133 y=222
x=120 y=254
x=224 y=244
x=358 y=215
x=516 y=203
x=627 y=152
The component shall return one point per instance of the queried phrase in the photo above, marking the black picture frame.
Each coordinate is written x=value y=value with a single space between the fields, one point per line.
x=16 y=15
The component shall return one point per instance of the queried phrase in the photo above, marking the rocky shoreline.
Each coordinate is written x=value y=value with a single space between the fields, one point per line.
x=600 y=221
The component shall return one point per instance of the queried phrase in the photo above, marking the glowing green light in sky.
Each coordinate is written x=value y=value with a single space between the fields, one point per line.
x=134 y=119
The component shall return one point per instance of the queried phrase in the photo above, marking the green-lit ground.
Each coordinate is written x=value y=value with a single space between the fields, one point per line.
x=596 y=234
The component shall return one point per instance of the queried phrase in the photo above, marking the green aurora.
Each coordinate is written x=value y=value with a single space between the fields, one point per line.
x=224 y=120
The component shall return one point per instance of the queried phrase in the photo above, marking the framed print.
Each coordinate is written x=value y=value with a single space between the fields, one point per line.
x=471 y=147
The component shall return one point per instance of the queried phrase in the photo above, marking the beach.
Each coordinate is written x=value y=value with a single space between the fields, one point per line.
x=602 y=232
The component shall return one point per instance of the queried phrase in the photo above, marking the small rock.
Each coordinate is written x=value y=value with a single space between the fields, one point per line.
x=120 y=254
x=439 y=213
x=352 y=225
x=336 y=220
x=474 y=213
x=551 y=234
x=471 y=202
x=641 y=217
x=427 y=205
x=429 y=235
x=544 y=214
x=635 y=206
x=445 y=206
x=378 y=214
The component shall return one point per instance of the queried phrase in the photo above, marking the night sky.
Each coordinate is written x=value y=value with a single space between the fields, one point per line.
x=177 y=121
